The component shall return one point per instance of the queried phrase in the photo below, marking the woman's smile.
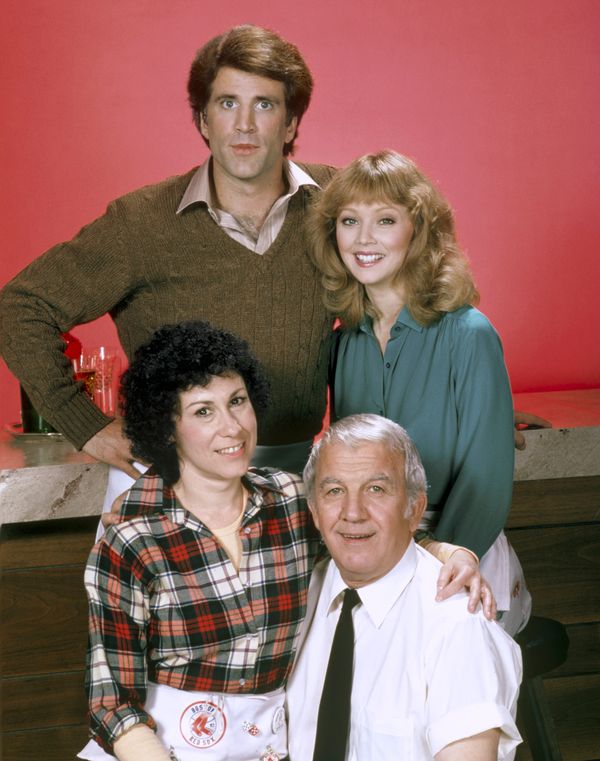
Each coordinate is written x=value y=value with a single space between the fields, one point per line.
x=373 y=240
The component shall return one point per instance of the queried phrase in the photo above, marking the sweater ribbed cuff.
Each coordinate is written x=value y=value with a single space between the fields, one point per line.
x=79 y=420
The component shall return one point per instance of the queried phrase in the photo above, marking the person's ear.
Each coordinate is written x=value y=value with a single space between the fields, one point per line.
x=203 y=124
x=314 y=512
x=419 y=505
x=291 y=129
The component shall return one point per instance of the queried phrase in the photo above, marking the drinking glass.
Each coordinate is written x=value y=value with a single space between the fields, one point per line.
x=98 y=369
x=106 y=382
x=84 y=370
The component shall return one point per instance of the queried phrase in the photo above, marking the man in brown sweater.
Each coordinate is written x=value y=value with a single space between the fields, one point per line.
x=225 y=242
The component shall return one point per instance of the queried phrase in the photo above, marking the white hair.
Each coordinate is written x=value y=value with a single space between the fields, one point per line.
x=355 y=430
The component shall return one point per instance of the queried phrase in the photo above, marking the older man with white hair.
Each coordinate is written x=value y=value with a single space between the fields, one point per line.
x=385 y=671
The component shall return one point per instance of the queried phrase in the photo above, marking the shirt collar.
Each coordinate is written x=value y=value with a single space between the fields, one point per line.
x=296 y=177
x=404 y=318
x=262 y=492
x=150 y=496
x=379 y=597
x=198 y=189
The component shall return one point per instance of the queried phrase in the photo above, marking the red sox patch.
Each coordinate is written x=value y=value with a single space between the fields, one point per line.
x=202 y=724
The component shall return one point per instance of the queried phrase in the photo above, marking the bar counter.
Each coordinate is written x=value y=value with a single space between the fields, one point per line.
x=569 y=449
x=42 y=477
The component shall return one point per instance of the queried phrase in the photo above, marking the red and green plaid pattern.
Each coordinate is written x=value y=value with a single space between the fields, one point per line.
x=167 y=605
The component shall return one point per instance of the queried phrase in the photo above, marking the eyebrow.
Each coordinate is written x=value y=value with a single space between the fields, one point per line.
x=379 y=207
x=328 y=480
x=231 y=96
x=208 y=402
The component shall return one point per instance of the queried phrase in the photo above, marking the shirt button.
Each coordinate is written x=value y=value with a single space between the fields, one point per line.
x=387 y=364
x=242 y=682
x=381 y=412
x=247 y=530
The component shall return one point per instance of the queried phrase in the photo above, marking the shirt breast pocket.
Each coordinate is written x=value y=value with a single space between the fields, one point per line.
x=381 y=735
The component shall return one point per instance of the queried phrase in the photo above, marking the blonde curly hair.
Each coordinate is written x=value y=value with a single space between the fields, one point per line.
x=435 y=274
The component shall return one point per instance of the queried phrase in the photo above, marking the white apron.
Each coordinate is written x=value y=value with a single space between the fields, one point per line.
x=204 y=726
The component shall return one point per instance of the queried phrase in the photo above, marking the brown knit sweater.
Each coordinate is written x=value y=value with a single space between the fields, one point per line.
x=148 y=266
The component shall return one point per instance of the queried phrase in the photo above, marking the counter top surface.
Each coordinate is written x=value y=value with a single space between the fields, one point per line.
x=44 y=477
x=32 y=450
x=564 y=409
x=572 y=446
x=67 y=483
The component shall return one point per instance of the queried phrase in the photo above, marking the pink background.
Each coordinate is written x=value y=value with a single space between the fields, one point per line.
x=498 y=102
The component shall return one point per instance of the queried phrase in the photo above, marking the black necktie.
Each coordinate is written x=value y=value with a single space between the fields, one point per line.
x=334 y=710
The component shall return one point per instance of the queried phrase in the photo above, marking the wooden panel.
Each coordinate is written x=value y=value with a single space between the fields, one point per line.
x=555 y=501
x=57 y=744
x=44 y=543
x=562 y=569
x=575 y=706
x=574 y=703
x=584 y=651
x=44 y=621
x=59 y=699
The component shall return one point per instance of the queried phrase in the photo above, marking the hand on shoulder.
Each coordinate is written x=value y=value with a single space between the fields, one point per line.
x=111 y=446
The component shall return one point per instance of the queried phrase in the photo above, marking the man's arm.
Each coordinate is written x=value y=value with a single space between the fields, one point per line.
x=481 y=747
x=111 y=446
x=473 y=671
x=72 y=283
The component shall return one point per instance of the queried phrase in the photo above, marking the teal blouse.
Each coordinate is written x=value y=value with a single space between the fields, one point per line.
x=447 y=385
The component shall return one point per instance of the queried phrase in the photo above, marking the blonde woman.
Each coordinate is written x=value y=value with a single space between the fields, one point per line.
x=413 y=347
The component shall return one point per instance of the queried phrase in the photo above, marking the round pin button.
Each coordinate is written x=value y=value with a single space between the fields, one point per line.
x=278 y=719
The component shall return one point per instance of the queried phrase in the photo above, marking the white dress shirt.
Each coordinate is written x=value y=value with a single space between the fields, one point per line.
x=425 y=673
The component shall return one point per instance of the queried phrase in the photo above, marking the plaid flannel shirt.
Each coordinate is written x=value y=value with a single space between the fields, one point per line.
x=167 y=605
